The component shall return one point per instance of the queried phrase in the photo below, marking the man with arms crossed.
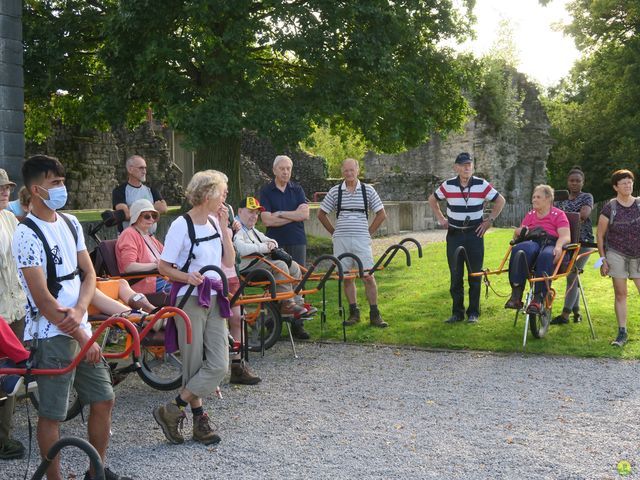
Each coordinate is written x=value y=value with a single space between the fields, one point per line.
x=351 y=201
x=56 y=321
x=285 y=210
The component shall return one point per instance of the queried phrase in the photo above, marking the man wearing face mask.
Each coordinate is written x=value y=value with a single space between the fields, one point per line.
x=134 y=189
x=57 y=276
x=465 y=196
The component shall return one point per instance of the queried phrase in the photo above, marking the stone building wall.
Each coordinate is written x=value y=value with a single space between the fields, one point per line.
x=512 y=159
x=94 y=163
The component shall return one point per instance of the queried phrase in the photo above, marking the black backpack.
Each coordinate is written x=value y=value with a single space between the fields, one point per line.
x=53 y=281
x=364 y=200
x=196 y=241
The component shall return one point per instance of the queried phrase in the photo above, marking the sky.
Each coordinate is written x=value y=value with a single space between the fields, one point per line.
x=545 y=55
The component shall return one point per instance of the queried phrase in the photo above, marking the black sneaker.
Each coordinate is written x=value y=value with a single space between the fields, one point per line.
x=453 y=319
x=577 y=317
x=298 y=331
x=620 y=340
x=473 y=318
x=559 y=320
x=108 y=475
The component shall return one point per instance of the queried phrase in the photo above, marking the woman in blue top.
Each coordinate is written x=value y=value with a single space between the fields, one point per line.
x=582 y=203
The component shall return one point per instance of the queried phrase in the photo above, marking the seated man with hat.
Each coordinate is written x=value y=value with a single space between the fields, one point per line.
x=250 y=242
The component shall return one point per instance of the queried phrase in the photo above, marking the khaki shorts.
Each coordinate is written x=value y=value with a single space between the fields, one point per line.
x=359 y=246
x=621 y=266
x=91 y=382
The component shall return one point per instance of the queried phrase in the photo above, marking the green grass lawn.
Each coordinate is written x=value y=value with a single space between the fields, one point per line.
x=415 y=300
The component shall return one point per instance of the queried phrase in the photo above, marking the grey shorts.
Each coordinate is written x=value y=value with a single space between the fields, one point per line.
x=621 y=266
x=91 y=382
x=359 y=246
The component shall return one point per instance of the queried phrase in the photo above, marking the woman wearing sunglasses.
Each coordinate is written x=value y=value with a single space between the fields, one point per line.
x=137 y=250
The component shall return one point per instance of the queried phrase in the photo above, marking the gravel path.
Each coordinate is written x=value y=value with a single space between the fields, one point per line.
x=353 y=411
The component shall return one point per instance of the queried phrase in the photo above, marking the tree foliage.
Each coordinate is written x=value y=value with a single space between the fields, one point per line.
x=211 y=68
x=594 y=112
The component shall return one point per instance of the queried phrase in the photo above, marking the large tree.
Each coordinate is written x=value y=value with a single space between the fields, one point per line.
x=211 y=68
x=594 y=112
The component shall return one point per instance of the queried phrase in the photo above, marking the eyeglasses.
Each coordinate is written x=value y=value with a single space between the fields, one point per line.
x=467 y=219
x=149 y=216
x=6 y=188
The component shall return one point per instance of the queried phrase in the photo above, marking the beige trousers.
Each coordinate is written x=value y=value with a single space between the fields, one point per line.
x=206 y=360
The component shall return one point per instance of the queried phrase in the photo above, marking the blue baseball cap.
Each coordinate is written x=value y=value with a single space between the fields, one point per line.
x=462 y=158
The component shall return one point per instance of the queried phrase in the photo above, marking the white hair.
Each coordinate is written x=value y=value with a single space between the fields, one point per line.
x=132 y=158
x=281 y=158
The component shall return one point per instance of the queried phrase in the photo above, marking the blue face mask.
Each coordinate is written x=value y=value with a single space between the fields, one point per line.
x=57 y=197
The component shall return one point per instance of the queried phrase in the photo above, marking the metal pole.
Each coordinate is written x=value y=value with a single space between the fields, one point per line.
x=11 y=89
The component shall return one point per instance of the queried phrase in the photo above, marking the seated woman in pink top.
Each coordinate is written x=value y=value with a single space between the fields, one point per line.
x=542 y=253
x=137 y=250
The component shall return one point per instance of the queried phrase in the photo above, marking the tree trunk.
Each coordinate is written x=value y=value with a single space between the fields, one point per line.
x=11 y=90
x=223 y=155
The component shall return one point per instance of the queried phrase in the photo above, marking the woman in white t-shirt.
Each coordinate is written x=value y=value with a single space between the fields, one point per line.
x=205 y=360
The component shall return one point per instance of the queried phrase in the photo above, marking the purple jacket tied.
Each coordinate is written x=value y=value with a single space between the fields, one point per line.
x=204 y=300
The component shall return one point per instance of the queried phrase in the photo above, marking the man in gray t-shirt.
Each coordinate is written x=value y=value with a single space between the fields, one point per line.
x=351 y=200
x=134 y=189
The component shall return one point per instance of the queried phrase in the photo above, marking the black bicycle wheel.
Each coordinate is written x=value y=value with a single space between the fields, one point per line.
x=267 y=326
x=539 y=324
x=73 y=409
x=159 y=369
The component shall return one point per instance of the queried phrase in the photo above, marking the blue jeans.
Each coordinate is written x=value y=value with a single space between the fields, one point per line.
x=474 y=246
x=539 y=259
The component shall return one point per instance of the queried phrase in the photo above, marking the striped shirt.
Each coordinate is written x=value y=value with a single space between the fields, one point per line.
x=465 y=205
x=350 y=223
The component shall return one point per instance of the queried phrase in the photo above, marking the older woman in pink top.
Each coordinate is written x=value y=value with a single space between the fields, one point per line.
x=542 y=253
x=137 y=250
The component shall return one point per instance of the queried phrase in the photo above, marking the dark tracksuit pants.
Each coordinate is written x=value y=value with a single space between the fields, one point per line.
x=474 y=246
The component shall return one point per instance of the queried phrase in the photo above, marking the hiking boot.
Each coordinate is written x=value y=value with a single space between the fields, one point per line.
x=354 y=317
x=10 y=384
x=170 y=418
x=290 y=309
x=202 y=431
x=108 y=475
x=11 y=449
x=559 y=320
x=298 y=331
x=515 y=302
x=375 y=320
x=241 y=374
x=620 y=340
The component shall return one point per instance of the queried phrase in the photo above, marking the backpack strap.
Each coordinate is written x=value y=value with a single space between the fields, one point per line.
x=365 y=202
x=53 y=281
x=196 y=241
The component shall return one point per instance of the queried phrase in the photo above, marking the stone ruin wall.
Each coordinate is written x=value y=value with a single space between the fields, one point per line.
x=94 y=163
x=514 y=161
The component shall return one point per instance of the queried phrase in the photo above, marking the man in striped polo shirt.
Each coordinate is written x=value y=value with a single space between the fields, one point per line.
x=351 y=200
x=465 y=196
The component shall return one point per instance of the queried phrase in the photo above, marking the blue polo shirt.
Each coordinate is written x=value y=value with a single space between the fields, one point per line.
x=275 y=200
